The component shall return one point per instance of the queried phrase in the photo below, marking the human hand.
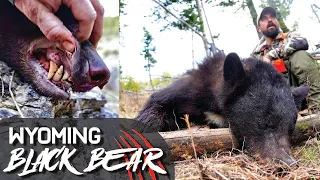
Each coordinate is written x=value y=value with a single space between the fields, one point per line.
x=275 y=53
x=266 y=59
x=89 y=14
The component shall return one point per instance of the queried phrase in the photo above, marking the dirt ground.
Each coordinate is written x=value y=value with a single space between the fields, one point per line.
x=239 y=165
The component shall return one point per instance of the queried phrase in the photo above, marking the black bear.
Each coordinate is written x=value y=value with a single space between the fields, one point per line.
x=50 y=70
x=251 y=96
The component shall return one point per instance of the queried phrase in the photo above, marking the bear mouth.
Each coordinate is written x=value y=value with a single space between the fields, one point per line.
x=51 y=67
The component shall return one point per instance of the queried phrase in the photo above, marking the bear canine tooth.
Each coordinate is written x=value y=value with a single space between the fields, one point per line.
x=53 y=68
x=58 y=75
x=65 y=75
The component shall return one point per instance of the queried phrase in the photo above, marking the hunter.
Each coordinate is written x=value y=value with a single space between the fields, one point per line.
x=287 y=52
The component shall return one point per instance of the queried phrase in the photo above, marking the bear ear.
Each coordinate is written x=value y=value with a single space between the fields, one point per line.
x=233 y=72
x=299 y=94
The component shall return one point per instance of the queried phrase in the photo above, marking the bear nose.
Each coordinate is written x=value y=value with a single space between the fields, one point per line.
x=290 y=161
x=99 y=74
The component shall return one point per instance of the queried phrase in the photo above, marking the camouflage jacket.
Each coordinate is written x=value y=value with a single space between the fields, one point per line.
x=282 y=47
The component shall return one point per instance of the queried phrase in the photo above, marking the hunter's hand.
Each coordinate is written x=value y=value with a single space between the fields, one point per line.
x=89 y=14
x=266 y=59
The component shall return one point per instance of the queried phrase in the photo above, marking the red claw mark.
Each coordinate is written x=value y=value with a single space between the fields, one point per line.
x=126 y=158
x=129 y=146
x=147 y=143
x=151 y=172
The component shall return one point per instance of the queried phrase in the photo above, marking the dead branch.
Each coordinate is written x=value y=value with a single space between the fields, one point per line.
x=12 y=96
x=2 y=87
x=183 y=22
x=313 y=6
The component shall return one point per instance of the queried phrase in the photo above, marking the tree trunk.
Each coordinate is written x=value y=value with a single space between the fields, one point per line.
x=150 y=76
x=283 y=26
x=204 y=38
x=210 y=140
x=254 y=16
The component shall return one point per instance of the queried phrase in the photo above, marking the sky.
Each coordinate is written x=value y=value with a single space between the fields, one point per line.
x=174 y=47
x=111 y=7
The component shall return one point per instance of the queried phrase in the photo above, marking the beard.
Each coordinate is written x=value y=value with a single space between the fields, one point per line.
x=272 y=33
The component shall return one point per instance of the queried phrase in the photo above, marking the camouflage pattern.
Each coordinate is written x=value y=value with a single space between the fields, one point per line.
x=281 y=47
x=300 y=65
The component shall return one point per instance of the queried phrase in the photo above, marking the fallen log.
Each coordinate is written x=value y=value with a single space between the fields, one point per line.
x=210 y=140
x=306 y=127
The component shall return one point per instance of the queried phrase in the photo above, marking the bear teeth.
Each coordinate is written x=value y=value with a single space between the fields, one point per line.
x=57 y=74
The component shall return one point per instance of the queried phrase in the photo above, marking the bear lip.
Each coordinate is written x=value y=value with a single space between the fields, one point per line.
x=39 y=54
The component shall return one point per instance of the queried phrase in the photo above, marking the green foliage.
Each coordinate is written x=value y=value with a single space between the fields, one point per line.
x=227 y=3
x=109 y=52
x=130 y=84
x=120 y=70
x=309 y=153
x=190 y=16
x=147 y=52
x=111 y=26
x=163 y=81
x=148 y=49
x=281 y=6
x=253 y=13
x=122 y=4
x=187 y=11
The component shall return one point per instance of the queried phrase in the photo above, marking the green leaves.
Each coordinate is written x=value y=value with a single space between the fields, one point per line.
x=129 y=84
x=186 y=10
x=122 y=4
x=111 y=26
x=148 y=49
x=147 y=53
x=227 y=3
x=162 y=81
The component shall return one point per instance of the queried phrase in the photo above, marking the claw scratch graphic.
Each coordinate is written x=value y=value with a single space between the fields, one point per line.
x=147 y=143
x=126 y=159
x=136 y=144
x=151 y=172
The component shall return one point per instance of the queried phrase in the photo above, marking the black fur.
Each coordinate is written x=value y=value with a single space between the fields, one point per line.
x=252 y=97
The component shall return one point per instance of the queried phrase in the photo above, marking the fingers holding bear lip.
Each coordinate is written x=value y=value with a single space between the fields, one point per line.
x=97 y=30
x=86 y=17
x=55 y=31
x=36 y=51
x=50 y=25
x=88 y=13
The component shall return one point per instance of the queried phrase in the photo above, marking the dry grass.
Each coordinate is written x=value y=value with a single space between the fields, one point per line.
x=131 y=103
x=231 y=166
x=228 y=165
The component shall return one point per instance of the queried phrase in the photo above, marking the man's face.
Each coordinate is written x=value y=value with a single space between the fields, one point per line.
x=269 y=26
